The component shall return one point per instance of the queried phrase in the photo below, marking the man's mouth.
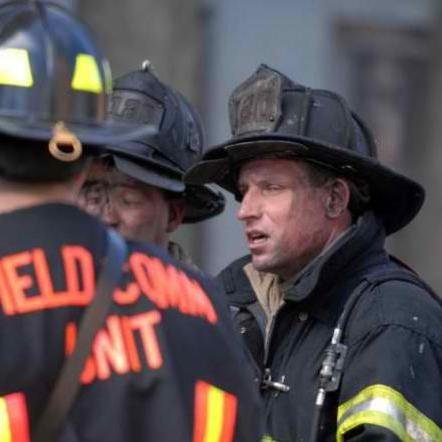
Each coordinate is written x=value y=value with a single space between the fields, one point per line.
x=256 y=238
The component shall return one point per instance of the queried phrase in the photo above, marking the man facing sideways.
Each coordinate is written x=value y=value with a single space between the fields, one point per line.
x=316 y=206
x=138 y=189
x=163 y=365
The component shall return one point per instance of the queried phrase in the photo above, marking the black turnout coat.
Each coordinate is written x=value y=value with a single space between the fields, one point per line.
x=391 y=387
x=164 y=364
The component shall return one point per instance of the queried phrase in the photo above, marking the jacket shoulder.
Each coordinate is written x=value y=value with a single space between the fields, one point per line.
x=404 y=303
x=412 y=306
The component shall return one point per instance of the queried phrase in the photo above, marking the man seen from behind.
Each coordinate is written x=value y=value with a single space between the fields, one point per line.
x=163 y=362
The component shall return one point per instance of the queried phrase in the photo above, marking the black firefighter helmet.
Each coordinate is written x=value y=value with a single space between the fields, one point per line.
x=160 y=159
x=270 y=115
x=54 y=82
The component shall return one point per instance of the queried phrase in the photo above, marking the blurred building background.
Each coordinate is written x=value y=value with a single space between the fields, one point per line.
x=384 y=56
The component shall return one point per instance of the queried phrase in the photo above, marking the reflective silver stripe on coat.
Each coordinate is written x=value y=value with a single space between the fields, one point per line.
x=387 y=407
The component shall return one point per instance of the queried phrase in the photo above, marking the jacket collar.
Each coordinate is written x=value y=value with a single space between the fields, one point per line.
x=177 y=252
x=236 y=284
x=325 y=284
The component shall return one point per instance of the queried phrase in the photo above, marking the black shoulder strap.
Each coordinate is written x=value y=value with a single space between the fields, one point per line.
x=68 y=382
x=333 y=363
x=375 y=278
x=403 y=273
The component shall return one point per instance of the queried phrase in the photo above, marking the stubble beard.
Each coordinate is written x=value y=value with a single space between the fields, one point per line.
x=271 y=264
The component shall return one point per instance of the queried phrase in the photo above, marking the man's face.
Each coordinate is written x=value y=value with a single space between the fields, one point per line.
x=137 y=210
x=284 y=216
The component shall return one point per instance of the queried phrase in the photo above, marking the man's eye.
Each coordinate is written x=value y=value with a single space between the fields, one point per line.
x=128 y=198
x=94 y=200
x=131 y=200
x=93 y=195
x=270 y=188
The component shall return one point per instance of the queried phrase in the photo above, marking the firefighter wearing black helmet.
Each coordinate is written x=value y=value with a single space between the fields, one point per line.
x=345 y=340
x=138 y=189
x=100 y=339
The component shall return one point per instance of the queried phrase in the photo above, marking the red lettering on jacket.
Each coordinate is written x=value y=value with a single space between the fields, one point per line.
x=21 y=272
x=131 y=346
x=149 y=274
x=130 y=294
x=6 y=298
x=169 y=287
x=26 y=284
x=109 y=350
x=145 y=324
x=80 y=275
x=19 y=283
x=115 y=349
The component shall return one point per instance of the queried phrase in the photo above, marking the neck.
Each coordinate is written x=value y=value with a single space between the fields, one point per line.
x=14 y=196
x=335 y=234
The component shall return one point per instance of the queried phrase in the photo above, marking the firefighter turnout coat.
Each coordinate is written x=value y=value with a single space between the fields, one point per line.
x=391 y=387
x=164 y=366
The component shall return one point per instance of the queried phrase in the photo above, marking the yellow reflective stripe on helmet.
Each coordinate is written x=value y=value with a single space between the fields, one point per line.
x=15 y=68
x=383 y=406
x=87 y=76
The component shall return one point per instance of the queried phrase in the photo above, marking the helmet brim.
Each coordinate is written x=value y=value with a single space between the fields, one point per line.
x=148 y=175
x=395 y=198
x=98 y=135
x=201 y=202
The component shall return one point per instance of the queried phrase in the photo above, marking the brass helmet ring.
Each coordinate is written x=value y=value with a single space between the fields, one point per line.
x=64 y=145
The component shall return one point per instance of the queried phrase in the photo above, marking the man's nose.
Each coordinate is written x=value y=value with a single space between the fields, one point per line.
x=109 y=214
x=249 y=208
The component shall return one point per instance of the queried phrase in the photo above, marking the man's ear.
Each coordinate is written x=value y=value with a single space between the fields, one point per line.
x=176 y=214
x=338 y=198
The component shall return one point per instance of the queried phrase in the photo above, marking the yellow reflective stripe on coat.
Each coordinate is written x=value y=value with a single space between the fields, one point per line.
x=268 y=438
x=14 y=422
x=215 y=414
x=15 y=68
x=87 y=76
x=5 y=429
x=385 y=407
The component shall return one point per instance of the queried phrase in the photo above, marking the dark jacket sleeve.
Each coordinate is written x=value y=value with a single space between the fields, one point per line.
x=209 y=364
x=392 y=383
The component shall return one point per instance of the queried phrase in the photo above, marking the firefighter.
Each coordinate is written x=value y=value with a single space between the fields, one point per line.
x=138 y=190
x=161 y=362
x=344 y=338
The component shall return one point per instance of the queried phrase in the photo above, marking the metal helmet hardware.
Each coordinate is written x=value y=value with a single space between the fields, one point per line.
x=63 y=137
x=53 y=77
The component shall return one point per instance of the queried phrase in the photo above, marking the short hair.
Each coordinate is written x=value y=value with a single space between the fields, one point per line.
x=29 y=161
x=319 y=175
